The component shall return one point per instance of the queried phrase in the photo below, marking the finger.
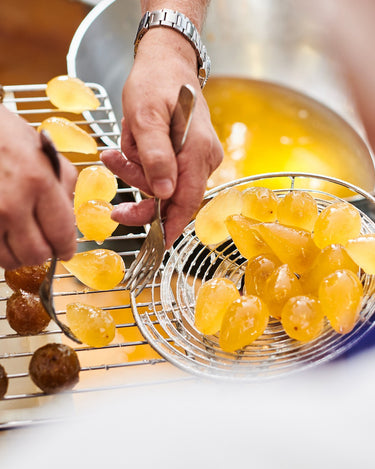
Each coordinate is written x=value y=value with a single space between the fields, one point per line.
x=68 y=176
x=134 y=214
x=128 y=144
x=7 y=258
x=156 y=154
x=27 y=242
x=129 y=171
x=55 y=217
x=181 y=210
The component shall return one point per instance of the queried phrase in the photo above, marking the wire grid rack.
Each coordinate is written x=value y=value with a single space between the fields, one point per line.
x=123 y=362
x=273 y=354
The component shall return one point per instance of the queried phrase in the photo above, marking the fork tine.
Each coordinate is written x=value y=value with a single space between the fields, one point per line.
x=142 y=269
x=146 y=275
x=145 y=268
x=143 y=251
x=137 y=265
x=141 y=282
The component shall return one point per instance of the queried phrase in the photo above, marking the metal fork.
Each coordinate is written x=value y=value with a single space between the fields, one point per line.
x=45 y=290
x=152 y=251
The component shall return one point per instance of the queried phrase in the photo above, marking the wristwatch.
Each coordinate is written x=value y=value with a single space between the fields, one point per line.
x=181 y=23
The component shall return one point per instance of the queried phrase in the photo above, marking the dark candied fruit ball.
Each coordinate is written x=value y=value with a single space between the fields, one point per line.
x=3 y=382
x=54 y=368
x=27 y=278
x=26 y=314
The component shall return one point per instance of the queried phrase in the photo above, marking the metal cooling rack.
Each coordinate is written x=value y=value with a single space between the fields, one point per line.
x=128 y=360
x=273 y=354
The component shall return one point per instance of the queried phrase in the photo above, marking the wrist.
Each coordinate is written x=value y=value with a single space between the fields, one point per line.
x=183 y=26
x=167 y=47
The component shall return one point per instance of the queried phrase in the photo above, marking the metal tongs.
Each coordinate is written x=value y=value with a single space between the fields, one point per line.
x=45 y=291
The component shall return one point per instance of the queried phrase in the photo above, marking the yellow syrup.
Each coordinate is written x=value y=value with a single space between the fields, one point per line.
x=264 y=128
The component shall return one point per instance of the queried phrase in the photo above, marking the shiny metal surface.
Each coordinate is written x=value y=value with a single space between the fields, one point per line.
x=262 y=39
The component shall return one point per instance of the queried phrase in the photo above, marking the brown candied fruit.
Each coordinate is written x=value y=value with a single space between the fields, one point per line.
x=54 y=368
x=3 y=382
x=27 y=278
x=26 y=314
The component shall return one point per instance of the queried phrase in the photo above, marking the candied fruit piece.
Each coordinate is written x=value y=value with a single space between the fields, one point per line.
x=257 y=272
x=94 y=220
x=213 y=299
x=247 y=240
x=100 y=269
x=71 y=94
x=54 y=368
x=27 y=278
x=302 y=318
x=336 y=224
x=4 y=381
x=260 y=203
x=210 y=225
x=26 y=314
x=67 y=136
x=244 y=321
x=340 y=296
x=95 y=182
x=293 y=246
x=298 y=209
x=92 y=325
x=330 y=259
x=362 y=251
x=281 y=285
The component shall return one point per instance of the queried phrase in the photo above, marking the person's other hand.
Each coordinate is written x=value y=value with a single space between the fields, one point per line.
x=36 y=212
x=165 y=61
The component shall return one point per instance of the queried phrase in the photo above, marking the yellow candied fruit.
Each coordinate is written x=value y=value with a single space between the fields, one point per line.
x=71 y=94
x=362 y=251
x=257 y=272
x=94 y=220
x=213 y=299
x=340 y=296
x=67 y=136
x=95 y=182
x=92 y=325
x=247 y=240
x=260 y=203
x=336 y=224
x=210 y=225
x=330 y=259
x=281 y=285
x=244 y=321
x=302 y=318
x=298 y=209
x=293 y=246
x=100 y=269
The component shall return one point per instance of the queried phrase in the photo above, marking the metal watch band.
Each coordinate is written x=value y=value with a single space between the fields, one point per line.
x=181 y=23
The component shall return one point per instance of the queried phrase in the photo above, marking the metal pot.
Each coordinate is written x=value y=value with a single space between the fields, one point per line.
x=262 y=39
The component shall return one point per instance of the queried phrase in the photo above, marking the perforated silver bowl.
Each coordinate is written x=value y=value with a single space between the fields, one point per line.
x=168 y=324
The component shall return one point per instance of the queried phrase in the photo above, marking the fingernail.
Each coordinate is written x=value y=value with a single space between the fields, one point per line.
x=163 y=188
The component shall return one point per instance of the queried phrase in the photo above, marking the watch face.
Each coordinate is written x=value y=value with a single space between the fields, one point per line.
x=142 y=28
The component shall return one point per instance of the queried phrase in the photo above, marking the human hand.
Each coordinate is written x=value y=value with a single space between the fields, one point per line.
x=36 y=212
x=164 y=62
